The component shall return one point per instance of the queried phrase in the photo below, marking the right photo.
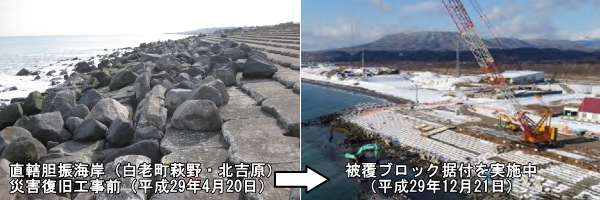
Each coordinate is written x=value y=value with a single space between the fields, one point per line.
x=451 y=99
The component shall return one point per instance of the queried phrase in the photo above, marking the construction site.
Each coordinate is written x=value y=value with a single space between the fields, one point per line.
x=494 y=117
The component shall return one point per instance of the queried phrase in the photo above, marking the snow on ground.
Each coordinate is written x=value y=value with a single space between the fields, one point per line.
x=586 y=89
x=398 y=85
x=435 y=87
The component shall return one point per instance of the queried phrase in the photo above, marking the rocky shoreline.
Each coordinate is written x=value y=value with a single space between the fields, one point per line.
x=191 y=100
x=367 y=92
x=51 y=73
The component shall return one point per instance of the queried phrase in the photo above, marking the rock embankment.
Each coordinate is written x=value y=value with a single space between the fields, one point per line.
x=201 y=99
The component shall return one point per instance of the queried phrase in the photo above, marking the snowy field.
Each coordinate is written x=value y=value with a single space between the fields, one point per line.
x=435 y=88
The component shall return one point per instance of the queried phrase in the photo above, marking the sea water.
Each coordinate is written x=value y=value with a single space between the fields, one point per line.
x=320 y=154
x=46 y=53
x=327 y=157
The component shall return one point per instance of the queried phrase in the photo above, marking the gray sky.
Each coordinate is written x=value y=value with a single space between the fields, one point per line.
x=89 y=17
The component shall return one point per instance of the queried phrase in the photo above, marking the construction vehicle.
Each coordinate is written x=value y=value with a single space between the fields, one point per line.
x=540 y=132
x=333 y=127
x=505 y=122
x=366 y=153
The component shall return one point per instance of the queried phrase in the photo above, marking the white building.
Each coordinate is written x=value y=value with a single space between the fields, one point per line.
x=523 y=77
x=588 y=111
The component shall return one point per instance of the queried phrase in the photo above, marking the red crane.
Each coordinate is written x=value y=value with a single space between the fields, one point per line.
x=534 y=132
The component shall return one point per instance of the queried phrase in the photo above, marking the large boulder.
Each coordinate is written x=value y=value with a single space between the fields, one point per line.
x=215 y=48
x=116 y=167
x=23 y=72
x=104 y=82
x=147 y=133
x=258 y=67
x=105 y=64
x=75 y=152
x=46 y=127
x=197 y=115
x=234 y=53
x=10 y=114
x=24 y=149
x=21 y=122
x=184 y=85
x=90 y=98
x=203 y=63
x=83 y=67
x=219 y=85
x=181 y=77
x=100 y=75
x=122 y=79
x=11 y=133
x=152 y=111
x=64 y=109
x=183 y=54
x=107 y=110
x=192 y=71
x=80 y=111
x=5 y=180
x=65 y=135
x=229 y=44
x=57 y=99
x=149 y=57
x=174 y=98
x=141 y=86
x=219 y=60
x=72 y=123
x=244 y=47
x=33 y=103
x=149 y=148
x=90 y=83
x=225 y=72
x=207 y=92
x=258 y=54
x=206 y=80
x=89 y=130
x=120 y=132
x=168 y=63
x=162 y=75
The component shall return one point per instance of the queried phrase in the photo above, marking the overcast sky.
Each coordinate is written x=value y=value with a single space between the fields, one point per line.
x=327 y=24
x=91 y=17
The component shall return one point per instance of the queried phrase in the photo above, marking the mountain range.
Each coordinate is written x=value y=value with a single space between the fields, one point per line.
x=441 y=46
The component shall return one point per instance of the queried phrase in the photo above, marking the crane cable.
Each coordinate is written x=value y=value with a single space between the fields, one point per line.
x=487 y=23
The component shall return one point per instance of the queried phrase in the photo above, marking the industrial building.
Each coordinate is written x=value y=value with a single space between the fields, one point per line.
x=588 y=111
x=523 y=77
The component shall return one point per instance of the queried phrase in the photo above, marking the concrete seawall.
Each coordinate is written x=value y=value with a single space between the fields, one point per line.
x=394 y=131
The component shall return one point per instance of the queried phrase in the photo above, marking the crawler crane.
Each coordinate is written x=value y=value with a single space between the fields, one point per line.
x=540 y=132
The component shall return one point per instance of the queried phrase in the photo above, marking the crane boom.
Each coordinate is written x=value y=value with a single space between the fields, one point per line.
x=484 y=59
x=480 y=51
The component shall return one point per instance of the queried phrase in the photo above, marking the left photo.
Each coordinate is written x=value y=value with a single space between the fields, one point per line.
x=149 y=99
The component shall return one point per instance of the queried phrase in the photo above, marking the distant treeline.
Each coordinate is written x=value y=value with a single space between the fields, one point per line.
x=553 y=70
x=501 y=55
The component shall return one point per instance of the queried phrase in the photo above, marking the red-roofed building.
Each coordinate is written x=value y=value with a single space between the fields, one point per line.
x=588 y=111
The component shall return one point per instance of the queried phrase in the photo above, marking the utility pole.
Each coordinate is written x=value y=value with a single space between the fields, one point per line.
x=352 y=38
x=363 y=58
x=416 y=94
x=457 y=58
